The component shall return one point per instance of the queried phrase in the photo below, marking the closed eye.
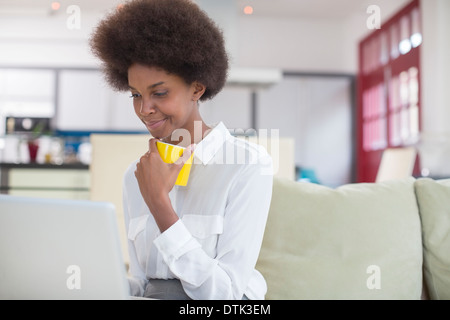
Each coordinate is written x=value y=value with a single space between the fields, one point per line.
x=160 y=94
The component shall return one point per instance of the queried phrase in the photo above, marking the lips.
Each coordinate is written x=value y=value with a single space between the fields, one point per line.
x=155 y=124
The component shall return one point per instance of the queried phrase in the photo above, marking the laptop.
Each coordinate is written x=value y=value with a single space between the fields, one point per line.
x=60 y=249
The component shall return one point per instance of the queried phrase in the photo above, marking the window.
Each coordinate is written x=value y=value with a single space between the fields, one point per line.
x=389 y=89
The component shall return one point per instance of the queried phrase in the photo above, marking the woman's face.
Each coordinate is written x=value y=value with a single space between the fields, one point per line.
x=164 y=102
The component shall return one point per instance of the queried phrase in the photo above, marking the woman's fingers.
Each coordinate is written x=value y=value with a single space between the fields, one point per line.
x=152 y=145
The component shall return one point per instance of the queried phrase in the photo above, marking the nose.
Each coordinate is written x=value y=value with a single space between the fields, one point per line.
x=147 y=107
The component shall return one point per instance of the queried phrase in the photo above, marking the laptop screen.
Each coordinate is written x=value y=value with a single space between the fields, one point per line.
x=60 y=249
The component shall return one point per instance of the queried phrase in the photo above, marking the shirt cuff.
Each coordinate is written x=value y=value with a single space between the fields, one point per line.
x=136 y=286
x=175 y=241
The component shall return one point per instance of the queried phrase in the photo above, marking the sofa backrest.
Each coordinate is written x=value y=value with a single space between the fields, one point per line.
x=358 y=241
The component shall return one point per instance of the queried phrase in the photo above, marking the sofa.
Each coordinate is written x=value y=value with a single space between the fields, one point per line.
x=380 y=241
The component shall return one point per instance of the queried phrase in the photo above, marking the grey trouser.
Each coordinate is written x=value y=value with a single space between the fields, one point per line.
x=167 y=290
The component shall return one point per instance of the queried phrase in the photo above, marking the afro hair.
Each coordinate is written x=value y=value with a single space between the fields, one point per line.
x=174 y=35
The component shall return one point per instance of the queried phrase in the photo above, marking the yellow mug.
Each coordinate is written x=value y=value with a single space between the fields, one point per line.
x=170 y=153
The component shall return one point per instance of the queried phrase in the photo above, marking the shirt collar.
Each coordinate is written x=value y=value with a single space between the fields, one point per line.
x=212 y=143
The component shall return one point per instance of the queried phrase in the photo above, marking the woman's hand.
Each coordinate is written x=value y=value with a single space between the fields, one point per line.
x=156 y=179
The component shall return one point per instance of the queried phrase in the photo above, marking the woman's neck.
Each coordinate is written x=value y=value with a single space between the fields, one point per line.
x=194 y=133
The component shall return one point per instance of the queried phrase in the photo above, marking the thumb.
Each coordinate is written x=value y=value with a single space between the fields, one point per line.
x=186 y=155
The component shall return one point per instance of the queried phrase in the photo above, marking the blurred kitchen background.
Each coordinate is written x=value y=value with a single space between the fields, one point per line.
x=319 y=72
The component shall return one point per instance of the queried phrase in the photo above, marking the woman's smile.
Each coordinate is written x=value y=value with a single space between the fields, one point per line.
x=154 y=124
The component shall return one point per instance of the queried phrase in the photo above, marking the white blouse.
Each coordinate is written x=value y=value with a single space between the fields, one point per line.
x=214 y=246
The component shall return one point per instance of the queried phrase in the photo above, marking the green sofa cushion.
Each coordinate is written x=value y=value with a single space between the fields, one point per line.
x=358 y=241
x=434 y=203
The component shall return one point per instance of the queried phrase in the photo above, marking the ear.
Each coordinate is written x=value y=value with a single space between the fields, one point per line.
x=198 y=90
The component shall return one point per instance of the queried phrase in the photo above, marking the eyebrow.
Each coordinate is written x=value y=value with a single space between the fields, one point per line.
x=150 y=86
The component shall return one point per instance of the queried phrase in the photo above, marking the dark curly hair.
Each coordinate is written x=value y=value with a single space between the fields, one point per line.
x=175 y=35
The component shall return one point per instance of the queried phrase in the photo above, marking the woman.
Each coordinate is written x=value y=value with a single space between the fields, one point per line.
x=199 y=241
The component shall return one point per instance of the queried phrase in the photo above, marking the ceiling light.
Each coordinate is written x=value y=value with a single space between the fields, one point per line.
x=248 y=10
x=55 y=6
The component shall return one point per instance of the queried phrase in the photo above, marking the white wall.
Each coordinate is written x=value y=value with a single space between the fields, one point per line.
x=436 y=65
x=310 y=44
x=306 y=45
x=39 y=39
x=435 y=81
x=36 y=38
